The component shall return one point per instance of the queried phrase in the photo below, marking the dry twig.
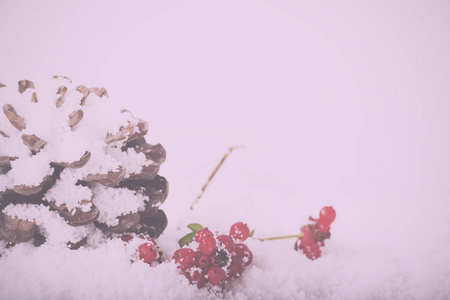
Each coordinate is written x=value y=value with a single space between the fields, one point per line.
x=212 y=175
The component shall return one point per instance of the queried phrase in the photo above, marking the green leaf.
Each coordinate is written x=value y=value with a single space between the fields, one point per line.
x=251 y=233
x=194 y=227
x=187 y=239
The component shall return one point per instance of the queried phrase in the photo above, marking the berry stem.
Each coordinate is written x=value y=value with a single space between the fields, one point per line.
x=300 y=235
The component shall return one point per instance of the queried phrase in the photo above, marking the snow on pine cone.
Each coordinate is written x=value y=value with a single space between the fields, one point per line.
x=72 y=164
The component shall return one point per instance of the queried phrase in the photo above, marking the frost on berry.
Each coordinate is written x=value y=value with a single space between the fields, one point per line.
x=185 y=258
x=243 y=252
x=216 y=275
x=141 y=248
x=196 y=276
x=201 y=233
x=239 y=231
x=148 y=252
x=315 y=234
x=207 y=245
x=227 y=242
x=312 y=250
x=212 y=260
x=236 y=267
x=69 y=153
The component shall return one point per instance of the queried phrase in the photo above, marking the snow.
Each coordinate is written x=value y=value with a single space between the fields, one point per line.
x=21 y=170
x=114 y=202
x=131 y=161
x=66 y=192
x=50 y=224
x=341 y=104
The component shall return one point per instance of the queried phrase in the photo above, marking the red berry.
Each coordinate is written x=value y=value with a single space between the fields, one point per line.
x=312 y=251
x=236 y=268
x=244 y=253
x=126 y=238
x=201 y=282
x=148 y=252
x=196 y=276
x=324 y=228
x=201 y=233
x=227 y=242
x=207 y=245
x=185 y=258
x=308 y=236
x=327 y=215
x=239 y=231
x=216 y=275
x=200 y=279
x=204 y=262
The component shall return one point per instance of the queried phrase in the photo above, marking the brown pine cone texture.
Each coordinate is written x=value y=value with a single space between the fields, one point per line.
x=73 y=165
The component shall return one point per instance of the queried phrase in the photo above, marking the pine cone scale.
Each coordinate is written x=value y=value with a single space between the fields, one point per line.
x=33 y=142
x=109 y=185
x=79 y=217
x=28 y=190
x=123 y=133
x=147 y=173
x=110 y=179
x=62 y=90
x=24 y=85
x=75 y=117
x=15 y=230
x=5 y=161
x=76 y=164
x=126 y=223
x=85 y=92
x=17 y=121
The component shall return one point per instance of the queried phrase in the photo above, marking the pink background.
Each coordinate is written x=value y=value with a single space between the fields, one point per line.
x=342 y=103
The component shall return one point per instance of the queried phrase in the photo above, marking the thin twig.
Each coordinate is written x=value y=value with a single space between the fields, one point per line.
x=300 y=235
x=212 y=175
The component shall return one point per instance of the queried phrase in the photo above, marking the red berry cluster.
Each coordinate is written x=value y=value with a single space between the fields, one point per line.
x=214 y=259
x=315 y=234
x=147 y=251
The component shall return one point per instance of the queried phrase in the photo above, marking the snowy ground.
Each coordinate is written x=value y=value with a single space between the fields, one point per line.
x=334 y=104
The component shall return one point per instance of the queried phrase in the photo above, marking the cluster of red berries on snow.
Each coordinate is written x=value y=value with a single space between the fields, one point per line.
x=213 y=259
x=146 y=248
x=316 y=233
x=210 y=260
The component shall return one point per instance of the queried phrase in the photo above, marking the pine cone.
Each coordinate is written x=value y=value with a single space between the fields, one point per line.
x=72 y=154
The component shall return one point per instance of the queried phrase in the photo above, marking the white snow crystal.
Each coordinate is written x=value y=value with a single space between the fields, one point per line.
x=114 y=202
x=65 y=191
x=50 y=224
